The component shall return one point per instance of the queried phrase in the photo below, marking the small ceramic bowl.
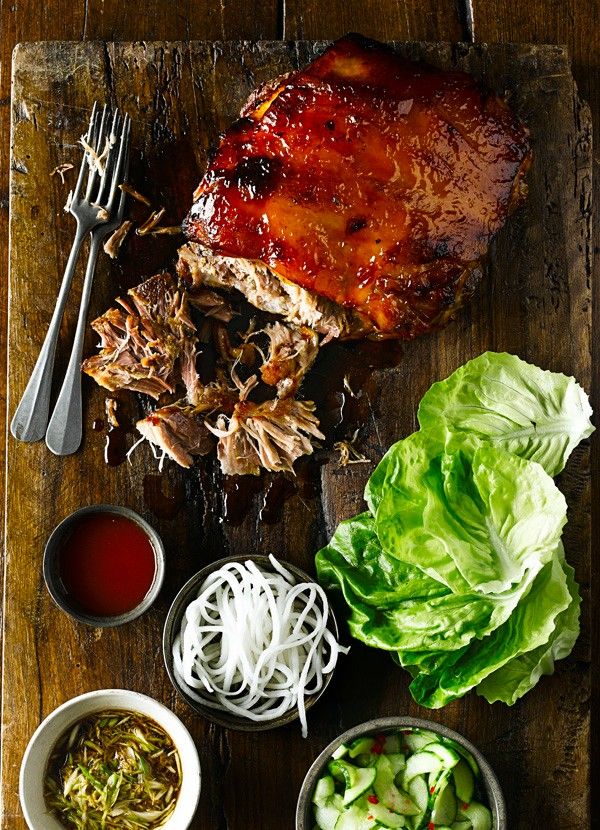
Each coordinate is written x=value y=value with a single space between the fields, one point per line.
x=495 y=798
x=55 y=584
x=44 y=739
x=172 y=627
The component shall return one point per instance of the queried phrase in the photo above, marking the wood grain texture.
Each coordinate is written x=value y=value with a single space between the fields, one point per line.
x=106 y=20
x=578 y=26
x=538 y=288
x=400 y=20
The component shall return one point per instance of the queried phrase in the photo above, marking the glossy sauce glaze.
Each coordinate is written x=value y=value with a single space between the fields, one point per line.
x=163 y=496
x=106 y=564
x=369 y=179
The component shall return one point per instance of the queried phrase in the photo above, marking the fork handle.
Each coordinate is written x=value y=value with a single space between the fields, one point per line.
x=31 y=416
x=64 y=432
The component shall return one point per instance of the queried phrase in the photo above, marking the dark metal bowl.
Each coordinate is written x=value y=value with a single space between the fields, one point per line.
x=304 y=817
x=173 y=626
x=52 y=570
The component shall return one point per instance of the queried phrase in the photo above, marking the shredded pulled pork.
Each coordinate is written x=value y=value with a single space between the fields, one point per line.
x=135 y=194
x=151 y=222
x=272 y=435
x=197 y=267
x=115 y=240
x=292 y=351
x=179 y=431
x=348 y=452
x=212 y=304
x=95 y=161
x=147 y=344
x=60 y=170
x=110 y=407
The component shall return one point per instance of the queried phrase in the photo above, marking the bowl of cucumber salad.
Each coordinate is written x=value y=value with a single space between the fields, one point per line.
x=401 y=772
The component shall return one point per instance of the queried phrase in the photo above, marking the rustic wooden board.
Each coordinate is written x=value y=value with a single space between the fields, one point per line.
x=535 y=302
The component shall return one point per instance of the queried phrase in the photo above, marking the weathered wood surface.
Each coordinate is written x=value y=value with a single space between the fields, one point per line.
x=535 y=302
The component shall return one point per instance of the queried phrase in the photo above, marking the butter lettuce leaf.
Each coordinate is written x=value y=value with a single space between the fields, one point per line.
x=458 y=568
x=519 y=675
x=408 y=488
x=396 y=606
x=476 y=519
x=355 y=559
x=533 y=413
x=530 y=626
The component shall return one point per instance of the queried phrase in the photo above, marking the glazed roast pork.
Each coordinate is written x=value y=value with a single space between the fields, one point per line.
x=372 y=182
x=354 y=198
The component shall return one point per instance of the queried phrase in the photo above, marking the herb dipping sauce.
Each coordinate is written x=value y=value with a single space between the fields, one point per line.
x=106 y=564
x=113 y=770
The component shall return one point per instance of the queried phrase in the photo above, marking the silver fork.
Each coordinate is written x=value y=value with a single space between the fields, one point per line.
x=64 y=432
x=31 y=416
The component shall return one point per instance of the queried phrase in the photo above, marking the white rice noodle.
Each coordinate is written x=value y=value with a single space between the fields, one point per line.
x=254 y=643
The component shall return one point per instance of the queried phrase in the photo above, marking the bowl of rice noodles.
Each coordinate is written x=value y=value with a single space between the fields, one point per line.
x=251 y=643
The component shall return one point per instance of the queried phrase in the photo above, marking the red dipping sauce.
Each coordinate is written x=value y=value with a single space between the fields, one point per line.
x=106 y=564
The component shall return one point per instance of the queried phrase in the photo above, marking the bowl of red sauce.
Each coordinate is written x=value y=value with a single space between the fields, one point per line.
x=104 y=565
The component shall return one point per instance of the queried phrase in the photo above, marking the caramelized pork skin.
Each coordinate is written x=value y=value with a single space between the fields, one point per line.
x=369 y=180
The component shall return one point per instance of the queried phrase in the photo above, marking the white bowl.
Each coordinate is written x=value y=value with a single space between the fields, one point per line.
x=43 y=740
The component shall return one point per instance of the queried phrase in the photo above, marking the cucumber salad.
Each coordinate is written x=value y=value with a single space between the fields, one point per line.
x=411 y=778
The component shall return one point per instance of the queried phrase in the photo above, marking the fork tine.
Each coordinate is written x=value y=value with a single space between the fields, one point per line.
x=92 y=140
x=98 y=146
x=110 y=161
x=121 y=208
x=121 y=167
x=99 y=129
x=84 y=165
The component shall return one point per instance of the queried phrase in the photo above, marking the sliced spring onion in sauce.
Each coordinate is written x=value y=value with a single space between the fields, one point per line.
x=255 y=643
x=114 y=770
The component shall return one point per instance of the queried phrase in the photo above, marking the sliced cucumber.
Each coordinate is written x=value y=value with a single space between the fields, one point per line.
x=397 y=761
x=365 y=759
x=404 y=780
x=328 y=812
x=381 y=814
x=353 y=818
x=479 y=816
x=388 y=793
x=445 y=806
x=422 y=763
x=326 y=816
x=415 y=741
x=393 y=743
x=464 y=782
x=465 y=754
x=435 y=782
x=417 y=789
x=356 y=779
x=324 y=789
x=446 y=754
x=360 y=746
